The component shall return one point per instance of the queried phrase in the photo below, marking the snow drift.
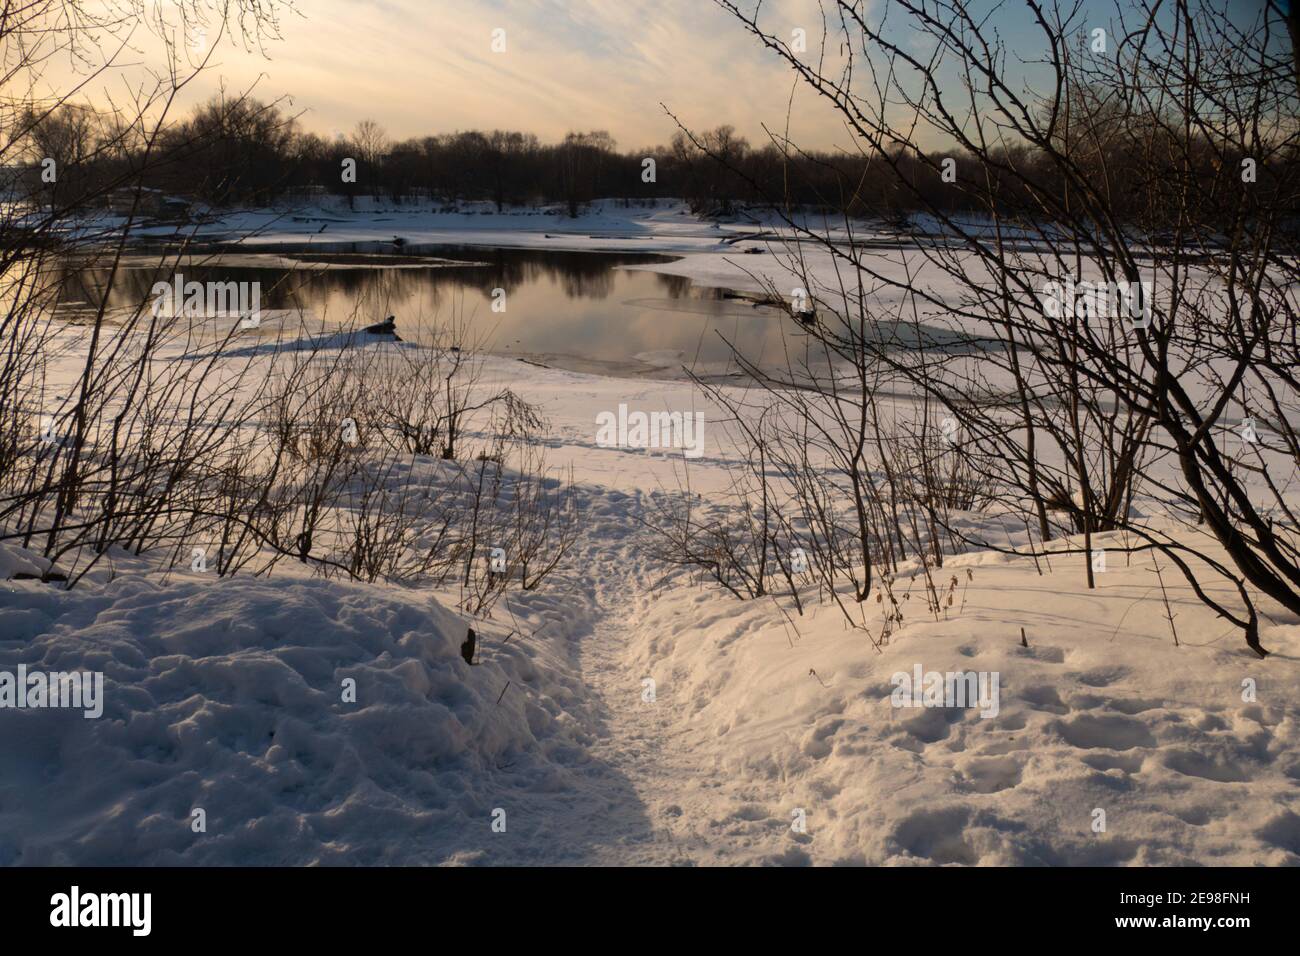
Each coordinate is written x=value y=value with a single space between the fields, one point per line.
x=228 y=696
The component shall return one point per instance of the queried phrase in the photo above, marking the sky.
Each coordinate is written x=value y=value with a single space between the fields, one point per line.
x=429 y=66
x=417 y=66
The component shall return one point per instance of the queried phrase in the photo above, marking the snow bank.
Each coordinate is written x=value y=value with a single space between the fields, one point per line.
x=19 y=561
x=228 y=696
x=1101 y=712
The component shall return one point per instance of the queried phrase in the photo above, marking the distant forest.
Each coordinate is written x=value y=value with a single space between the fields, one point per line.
x=244 y=152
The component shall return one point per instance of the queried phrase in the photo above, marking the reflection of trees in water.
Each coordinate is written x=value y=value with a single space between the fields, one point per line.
x=87 y=285
x=625 y=312
x=372 y=293
x=677 y=287
x=579 y=274
x=131 y=287
x=588 y=285
x=82 y=285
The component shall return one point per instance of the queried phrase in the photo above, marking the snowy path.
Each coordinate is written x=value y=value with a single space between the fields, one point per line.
x=643 y=789
x=635 y=762
x=616 y=802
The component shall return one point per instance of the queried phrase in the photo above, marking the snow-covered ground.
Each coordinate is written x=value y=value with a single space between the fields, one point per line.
x=626 y=714
x=608 y=225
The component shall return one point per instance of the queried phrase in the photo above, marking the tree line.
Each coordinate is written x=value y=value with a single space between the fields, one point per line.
x=240 y=151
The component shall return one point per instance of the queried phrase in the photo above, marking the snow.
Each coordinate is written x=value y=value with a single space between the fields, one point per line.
x=606 y=225
x=18 y=561
x=227 y=694
x=229 y=697
x=603 y=226
x=1101 y=711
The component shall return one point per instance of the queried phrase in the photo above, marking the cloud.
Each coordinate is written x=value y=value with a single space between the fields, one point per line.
x=421 y=66
x=427 y=66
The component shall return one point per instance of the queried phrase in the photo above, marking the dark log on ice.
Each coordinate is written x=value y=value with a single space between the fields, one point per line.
x=386 y=327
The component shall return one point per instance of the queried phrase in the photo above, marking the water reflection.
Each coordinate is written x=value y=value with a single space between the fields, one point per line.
x=573 y=309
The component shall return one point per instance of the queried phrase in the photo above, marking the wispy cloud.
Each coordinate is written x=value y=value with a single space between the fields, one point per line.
x=420 y=66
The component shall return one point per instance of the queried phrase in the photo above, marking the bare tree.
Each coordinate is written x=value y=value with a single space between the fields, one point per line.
x=1115 y=322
